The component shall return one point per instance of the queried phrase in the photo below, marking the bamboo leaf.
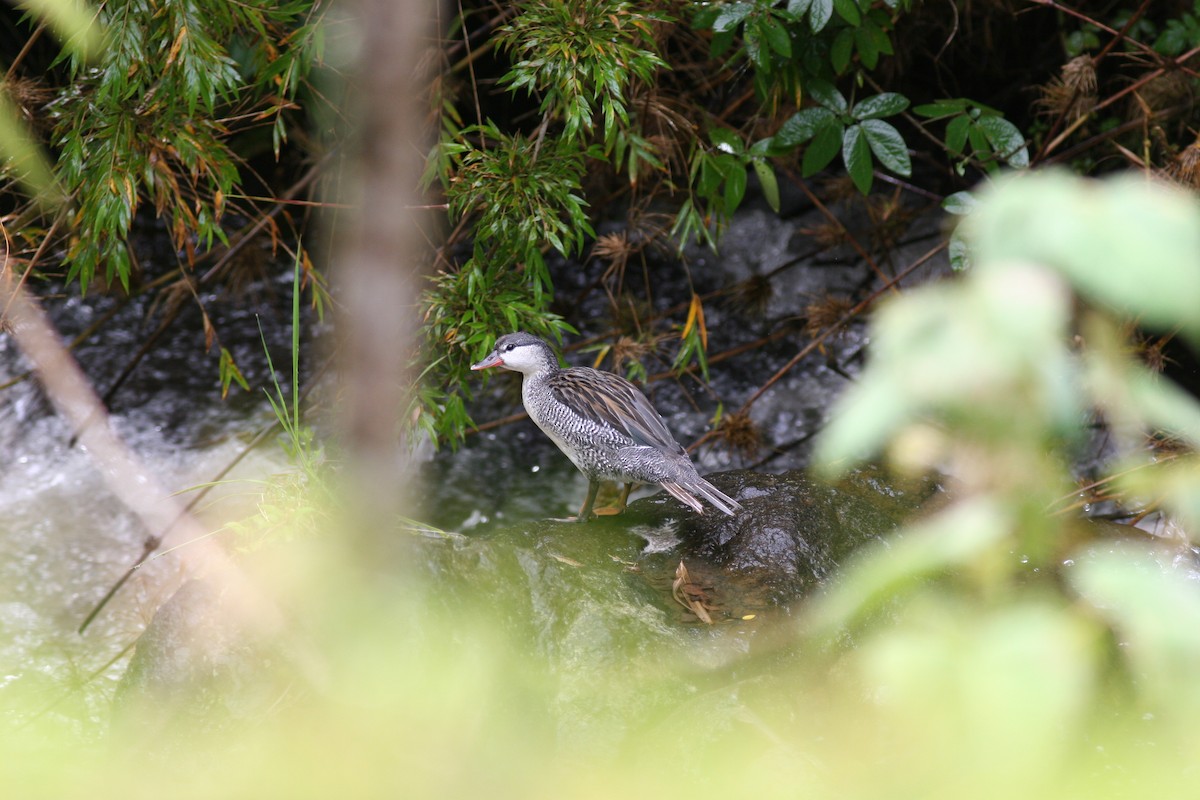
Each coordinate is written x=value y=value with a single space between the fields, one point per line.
x=940 y=108
x=768 y=182
x=735 y=188
x=73 y=23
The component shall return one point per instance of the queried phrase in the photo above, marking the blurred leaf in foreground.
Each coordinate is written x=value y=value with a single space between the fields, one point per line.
x=1126 y=242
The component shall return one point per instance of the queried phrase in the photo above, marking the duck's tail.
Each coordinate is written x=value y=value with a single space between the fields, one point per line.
x=686 y=492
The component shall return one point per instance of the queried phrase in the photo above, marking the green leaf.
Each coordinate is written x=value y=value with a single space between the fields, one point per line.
x=708 y=176
x=825 y=146
x=763 y=147
x=731 y=16
x=735 y=188
x=1176 y=484
x=857 y=155
x=766 y=179
x=981 y=146
x=956 y=134
x=868 y=53
x=879 y=38
x=777 y=36
x=1006 y=140
x=1123 y=242
x=819 y=14
x=1079 y=42
x=827 y=95
x=959 y=253
x=1164 y=405
x=726 y=140
x=704 y=18
x=880 y=105
x=848 y=10
x=1153 y=606
x=941 y=108
x=720 y=43
x=841 y=50
x=802 y=126
x=754 y=48
x=75 y=25
x=1174 y=40
x=727 y=164
x=888 y=146
x=798 y=7
x=960 y=204
x=23 y=156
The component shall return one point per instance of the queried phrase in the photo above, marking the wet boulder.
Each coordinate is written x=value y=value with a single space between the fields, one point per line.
x=790 y=536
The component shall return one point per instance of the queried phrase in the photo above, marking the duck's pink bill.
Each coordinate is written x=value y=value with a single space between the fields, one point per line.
x=491 y=361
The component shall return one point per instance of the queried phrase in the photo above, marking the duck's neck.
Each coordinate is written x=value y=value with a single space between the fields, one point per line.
x=538 y=377
x=547 y=366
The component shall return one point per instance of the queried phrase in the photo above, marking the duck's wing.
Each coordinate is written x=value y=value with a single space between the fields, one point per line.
x=610 y=400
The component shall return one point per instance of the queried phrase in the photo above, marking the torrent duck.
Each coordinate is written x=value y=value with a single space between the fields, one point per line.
x=604 y=424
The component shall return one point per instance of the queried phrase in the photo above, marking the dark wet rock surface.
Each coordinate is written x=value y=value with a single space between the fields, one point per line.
x=792 y=533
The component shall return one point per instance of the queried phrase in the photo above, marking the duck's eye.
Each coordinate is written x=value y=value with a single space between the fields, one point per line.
x=508 y=348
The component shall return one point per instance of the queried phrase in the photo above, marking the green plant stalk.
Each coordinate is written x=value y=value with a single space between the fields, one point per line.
x=300 y=446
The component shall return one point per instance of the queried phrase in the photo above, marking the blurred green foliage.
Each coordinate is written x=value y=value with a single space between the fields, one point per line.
x=995 y=648
x=1028 y=622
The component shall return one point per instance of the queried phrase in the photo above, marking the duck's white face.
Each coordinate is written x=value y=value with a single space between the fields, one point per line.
x=520 y=353
x=520 y=357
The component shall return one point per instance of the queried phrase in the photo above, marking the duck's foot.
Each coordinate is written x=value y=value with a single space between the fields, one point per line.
x=586 y=511
x=622 y=501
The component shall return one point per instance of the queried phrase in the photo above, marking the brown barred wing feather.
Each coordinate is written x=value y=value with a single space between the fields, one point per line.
x=610 y=400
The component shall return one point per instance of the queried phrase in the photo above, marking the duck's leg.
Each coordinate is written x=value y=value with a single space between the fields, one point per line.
x=620 y=506
x=586 y=510
x=625 y=494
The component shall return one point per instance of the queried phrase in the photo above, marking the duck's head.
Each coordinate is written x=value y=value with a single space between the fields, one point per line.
x=520 y=352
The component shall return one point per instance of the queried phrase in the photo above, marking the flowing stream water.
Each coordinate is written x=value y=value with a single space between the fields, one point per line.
x=65 y=539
